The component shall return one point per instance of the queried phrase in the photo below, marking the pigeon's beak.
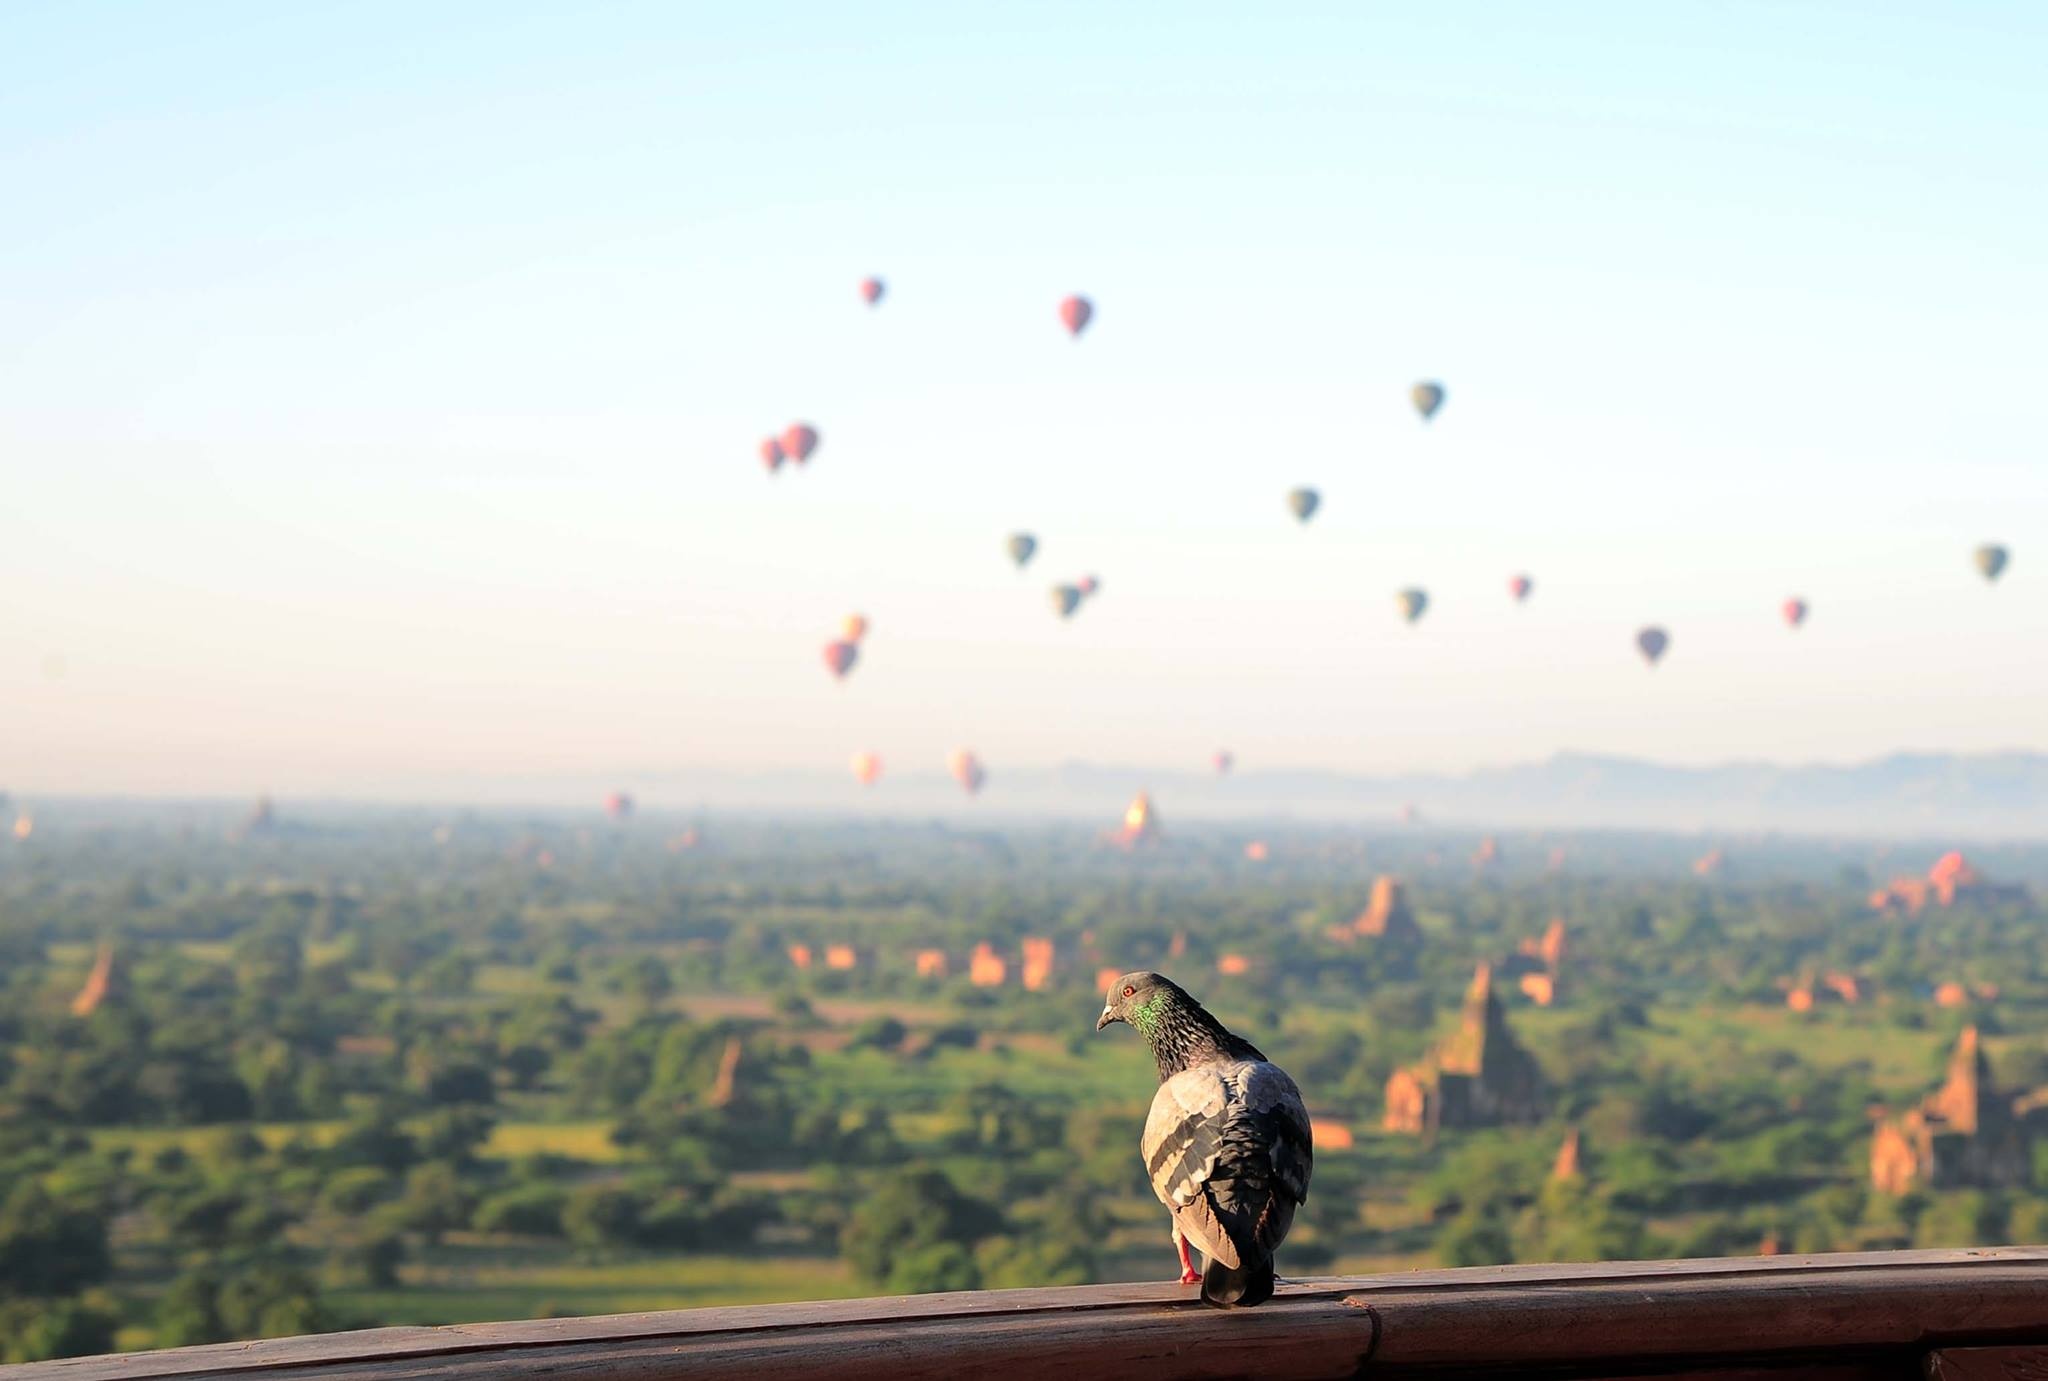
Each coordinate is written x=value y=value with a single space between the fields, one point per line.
x=1108 y=1015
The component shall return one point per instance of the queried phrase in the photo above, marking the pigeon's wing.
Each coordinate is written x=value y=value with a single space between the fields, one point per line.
x=1273 y=1101
x=1228 y=1150
x=1265 y=1158
x=1183 y=1137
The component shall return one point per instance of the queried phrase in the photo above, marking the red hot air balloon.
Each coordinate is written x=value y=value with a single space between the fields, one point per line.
x=1520 y=587
x=799 y=439
x=1223 y=760
x=771 y=454
x=871 y=290
x=867 y=768
x=1795 y=611
x=966 y=769
x=1075 y=313
x=1087 y=585
x=619 y=805
x=840 y=655
x=1652 y=642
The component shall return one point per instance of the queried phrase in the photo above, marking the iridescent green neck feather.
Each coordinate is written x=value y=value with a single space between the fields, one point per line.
x=1182 y=1034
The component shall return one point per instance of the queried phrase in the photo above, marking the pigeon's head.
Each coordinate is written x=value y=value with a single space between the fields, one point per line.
x=1136 y=997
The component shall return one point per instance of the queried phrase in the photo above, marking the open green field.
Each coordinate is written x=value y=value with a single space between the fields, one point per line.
x=588 y=1142
x=454 y=1284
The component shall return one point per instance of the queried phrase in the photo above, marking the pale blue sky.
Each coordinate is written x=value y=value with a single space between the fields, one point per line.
x=379 y=384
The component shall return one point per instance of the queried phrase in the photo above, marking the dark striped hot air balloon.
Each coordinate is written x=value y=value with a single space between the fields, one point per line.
x=1303 y=503
x=966 y=769
x=1065 y=600
x=840 y=655
x=1991 y=560
x=1412 y=603
x=1021 y=546
x=1427 y=397
x=799 y=439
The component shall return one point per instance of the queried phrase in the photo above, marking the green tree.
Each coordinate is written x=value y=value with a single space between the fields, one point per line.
x=263 y=1298
x=372 y=1261
x=532 y=1210
x=940 y=1266
x=36 y=1330
x=600 y=1215
x=1476 y=1237
x=908 y=1214
x=48 y=1247
x=435 y=1201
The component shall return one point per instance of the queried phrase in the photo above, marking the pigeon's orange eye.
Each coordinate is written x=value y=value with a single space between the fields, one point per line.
x=1129 y=991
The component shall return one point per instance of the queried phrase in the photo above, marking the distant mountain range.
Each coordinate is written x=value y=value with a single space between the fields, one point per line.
x=1993 y=795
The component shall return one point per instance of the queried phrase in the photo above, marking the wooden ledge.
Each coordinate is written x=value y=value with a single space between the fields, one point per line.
x=1863 y=1314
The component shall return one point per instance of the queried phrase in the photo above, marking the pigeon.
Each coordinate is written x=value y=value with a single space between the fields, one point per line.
x=1226 y=1145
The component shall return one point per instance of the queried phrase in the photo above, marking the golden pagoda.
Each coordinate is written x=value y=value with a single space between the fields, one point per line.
x=1141 y=823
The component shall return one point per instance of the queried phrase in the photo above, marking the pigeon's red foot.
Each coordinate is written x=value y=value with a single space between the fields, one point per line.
x=1191 y=1276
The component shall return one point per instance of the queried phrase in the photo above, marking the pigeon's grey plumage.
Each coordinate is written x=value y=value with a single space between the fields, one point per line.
x=1226 y=1145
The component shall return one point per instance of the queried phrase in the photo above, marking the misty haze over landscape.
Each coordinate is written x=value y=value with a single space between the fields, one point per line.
x=1901 y=796
x=1978 y=796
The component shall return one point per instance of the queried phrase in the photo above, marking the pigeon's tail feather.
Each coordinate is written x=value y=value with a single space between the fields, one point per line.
x=1223 y=1288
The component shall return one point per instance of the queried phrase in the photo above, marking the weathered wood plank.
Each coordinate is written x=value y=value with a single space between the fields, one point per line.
x=1861 y=1314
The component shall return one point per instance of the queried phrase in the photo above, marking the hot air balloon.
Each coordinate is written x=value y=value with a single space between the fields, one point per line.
x=771 y=454
x=1076 y=312
x=799 y=439
x=854 y=627
x=1795 y=611
x=1065 y=600
x=1303 y=503
x=1427 y=397
x=1223 y=760
x=840 y=655
x=871 y=290
x=866 y=768
x=1021 y=545
x=1520 y=587
x=1412 y=602
x=1651 y=642
x=619 y=805
x=1991 y=560
x=966 y=769
x=1087 y=585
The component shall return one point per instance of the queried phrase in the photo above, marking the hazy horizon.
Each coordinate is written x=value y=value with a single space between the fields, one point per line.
x=381 y=389
x=1956 y=799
